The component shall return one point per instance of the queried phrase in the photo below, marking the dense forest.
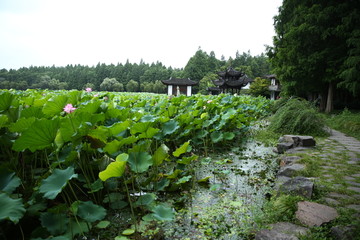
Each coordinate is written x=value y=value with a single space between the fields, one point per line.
x=131 y=77
x=316 y=52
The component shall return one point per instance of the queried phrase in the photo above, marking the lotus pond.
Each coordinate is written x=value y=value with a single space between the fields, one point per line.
x=85 y=165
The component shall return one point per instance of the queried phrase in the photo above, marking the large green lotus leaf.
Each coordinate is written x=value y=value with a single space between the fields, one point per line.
x=187 y=160
x=139 y=127
x=41 y=135
x=170 y=127
x=6 y=100
x=101 y=133
x=55 y=223
x=140 y=161
x=91 y=212
x=117 y=128
x=3 y=120
x=55 y=105
x=146 y=200
x=32 y=112
x=115 y=169
x=163 y=213
x=148 y=118
x=216 y=136
x=182 y=149
x=8 y=181
x=230 y=113
x=112 y=147
x=53 y=185
x=160 y=154
x=150 y=132
x=22 y=124
x=12 y=209
x=90 y=107
x=229 y=135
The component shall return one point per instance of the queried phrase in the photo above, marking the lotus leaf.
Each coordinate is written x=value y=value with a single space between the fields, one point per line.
x=6 y=100
x=53 y=185
x=146 y=200
x=21 y=124
x=170 y=127
x=115 y=169
x=8 y=181
x=160 y=154
x=55 y=223
x=55 y=105
x=91 y=212
x=12 y=209
x=216 y=136
x=140 y=161
x=182 y=149
x=41 y=135
x=3 y=120
x=103 y=224
x=163 y=213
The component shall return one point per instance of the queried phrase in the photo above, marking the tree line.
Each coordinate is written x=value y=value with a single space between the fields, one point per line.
x=131 y=77
x=316 y=52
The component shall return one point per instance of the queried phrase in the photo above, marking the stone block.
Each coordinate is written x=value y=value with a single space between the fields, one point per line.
x=299 y=185
x=314 y=214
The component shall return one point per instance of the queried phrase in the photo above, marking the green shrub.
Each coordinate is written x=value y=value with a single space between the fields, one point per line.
x=298 y=116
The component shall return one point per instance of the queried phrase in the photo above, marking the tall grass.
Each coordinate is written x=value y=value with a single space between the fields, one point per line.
x=297 y=116
x=347 y=122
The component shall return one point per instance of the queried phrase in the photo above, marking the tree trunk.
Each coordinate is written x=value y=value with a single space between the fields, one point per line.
x=329 y=102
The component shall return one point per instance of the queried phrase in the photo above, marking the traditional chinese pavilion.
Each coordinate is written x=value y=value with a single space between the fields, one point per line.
x=177 y=86
x=231 y=80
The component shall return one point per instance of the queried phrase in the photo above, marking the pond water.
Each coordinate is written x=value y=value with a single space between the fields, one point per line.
x=227 y=205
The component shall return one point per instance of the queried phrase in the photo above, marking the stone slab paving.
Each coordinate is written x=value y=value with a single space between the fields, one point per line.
x=339 y=172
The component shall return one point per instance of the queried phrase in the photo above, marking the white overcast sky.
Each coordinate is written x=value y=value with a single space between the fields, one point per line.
x=61 y=32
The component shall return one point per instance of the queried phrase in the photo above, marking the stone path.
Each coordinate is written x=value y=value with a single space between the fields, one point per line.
x=341 y=170
x=335 y=163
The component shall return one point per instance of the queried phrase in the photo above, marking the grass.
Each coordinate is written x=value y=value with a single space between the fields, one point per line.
x=346 y=121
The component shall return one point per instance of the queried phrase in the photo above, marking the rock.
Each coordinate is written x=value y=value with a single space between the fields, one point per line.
x=343 y=232
x=288 y=142
x=354 y=206
x=280 y=181
x=338 y=196
x=281 y=230
x=266 y=234
x=355 y=189
x=314 y=214
x=282 y=147
x=331 y=201
x=290 y=171
x=287 y=160
x=306 y=141
x=299 y=185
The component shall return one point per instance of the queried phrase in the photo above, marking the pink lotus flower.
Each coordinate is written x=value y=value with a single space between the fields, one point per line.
x=69 y=108
x=209 y=101
x=88 y=89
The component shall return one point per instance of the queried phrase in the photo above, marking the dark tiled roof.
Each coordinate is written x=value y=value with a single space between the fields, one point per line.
x=179 y=82
x=270 y=76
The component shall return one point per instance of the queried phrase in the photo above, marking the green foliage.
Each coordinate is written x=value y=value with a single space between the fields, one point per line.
x=260 y=87
x=54 y=184
x=298 y=116
x=280 y=209
x=110 y=148
x=12 y=209
x=316 y=44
